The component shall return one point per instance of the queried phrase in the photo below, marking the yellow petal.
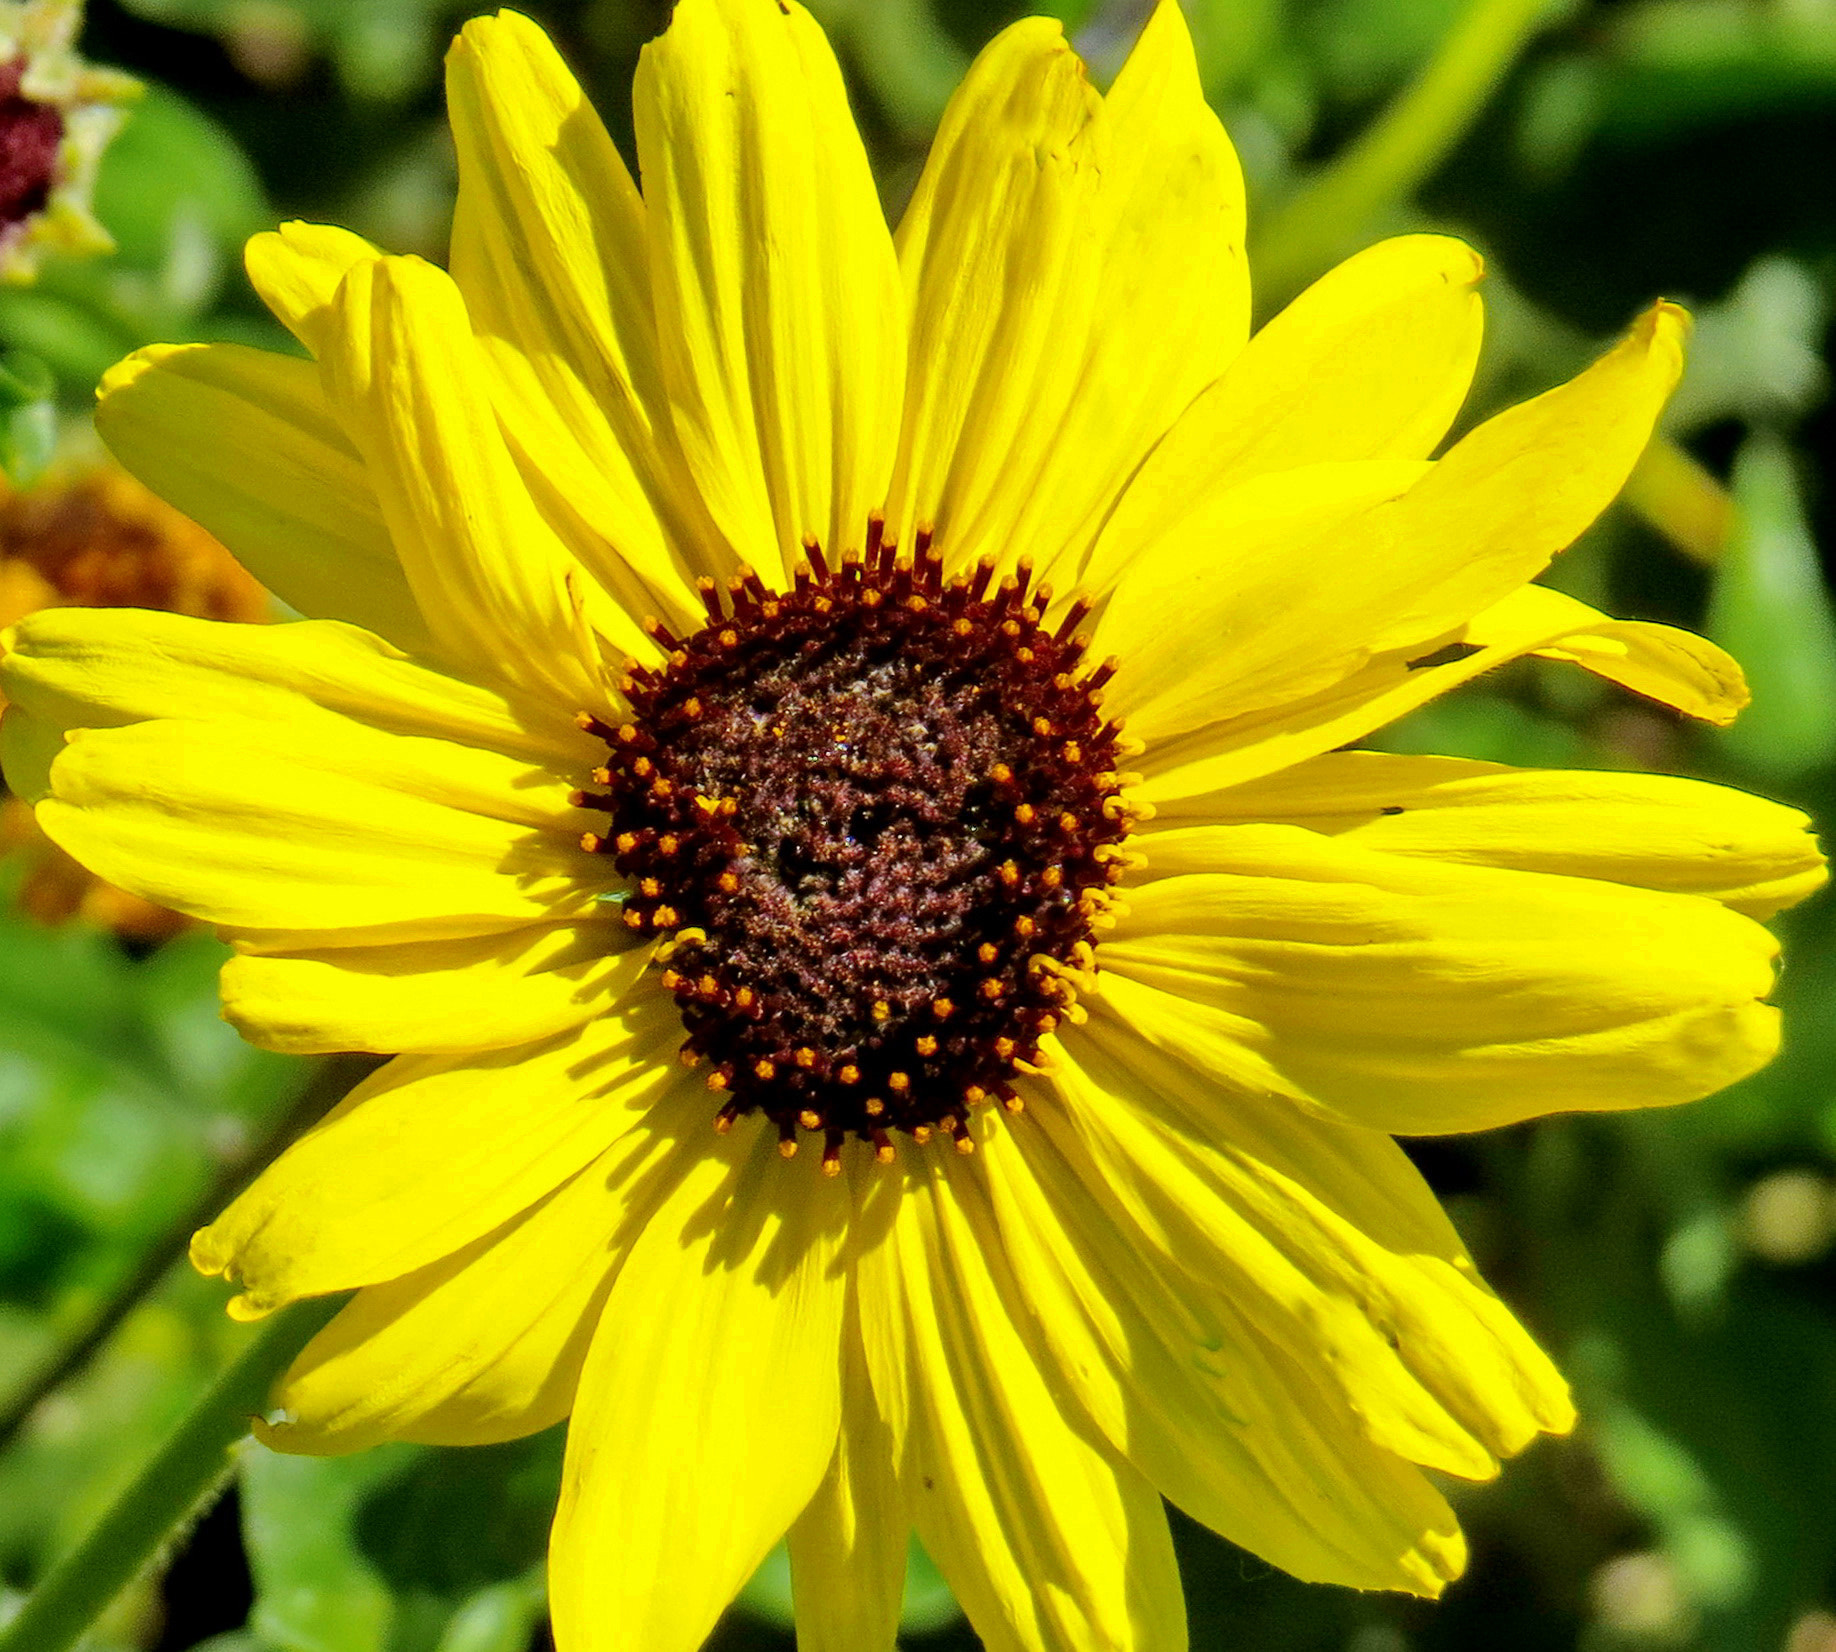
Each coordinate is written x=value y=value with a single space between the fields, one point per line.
x=1075 y=268
x=1420 y=997
x=296 y=270
x=1212 y=1384
x=481 y=993
x=549 y=249
x=1650 y=830
x=1205 y=630
x=1047 y=1539
x=324 y=829
x=241 y=441
x=1330 y=1231
x=779 y=313
x=1371 y=362
x=709 y=1406
x=1478 y=525
x=847 y=1549
x=1673 y=667
x=499 y=590
x=432 y=1152
x=100 y=667
x=487 y=1344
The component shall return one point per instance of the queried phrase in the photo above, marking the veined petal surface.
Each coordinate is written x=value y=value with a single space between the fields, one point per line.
x=242 y=442
x=1674 y=668
x=499 y=590
x=431 y=1152
x=482 y=992
x=779 y=313
x=1418 y=996
x=1076 y=275
x=848 y=1547
x=1049 y=1540
x=550 y=250
x=1654 y=831
x=103 y=667
x=1479 y=523
x=487 y=1344
x=710 y=1402
x=1212 y=1390
x=297 y=269
x=1370 y=362
x=1326 y=1238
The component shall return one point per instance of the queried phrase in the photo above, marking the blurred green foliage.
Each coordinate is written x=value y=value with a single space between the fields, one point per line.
x=1680 y=1265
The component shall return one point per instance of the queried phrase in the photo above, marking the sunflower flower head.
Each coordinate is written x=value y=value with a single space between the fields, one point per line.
x=822 y=755
x=57 y=114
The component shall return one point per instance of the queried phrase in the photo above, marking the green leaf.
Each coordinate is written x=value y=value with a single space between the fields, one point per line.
x=1771 y=610
x=315 y=1590
x=908 y=59
x=501 y=1618
x=175 y=173
x=383 y=49
x=402 y=1548
x=28 y=416
x=1231 y=39
x=460 y=1520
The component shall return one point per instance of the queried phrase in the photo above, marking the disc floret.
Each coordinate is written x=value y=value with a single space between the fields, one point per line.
x=874 y=818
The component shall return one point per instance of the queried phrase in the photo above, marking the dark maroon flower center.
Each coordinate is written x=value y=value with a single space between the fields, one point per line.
x=876 y=814
x=30 y=134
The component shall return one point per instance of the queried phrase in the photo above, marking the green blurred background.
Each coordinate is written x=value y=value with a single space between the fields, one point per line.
x=1600 y=152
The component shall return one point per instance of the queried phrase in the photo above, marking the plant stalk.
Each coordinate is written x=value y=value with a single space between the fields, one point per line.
x=1398 y=151
x=334 y=1077
x=191 y=1464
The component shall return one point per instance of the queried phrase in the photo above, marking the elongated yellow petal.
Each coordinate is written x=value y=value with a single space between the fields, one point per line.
x=1645 y=829
x=499 y=590
x=242 y=442
x=1196 y=1379
x=1076 y=276
x=1329 y=1232
x=99 y=667
x=847 y=1549
x=480 y=993
x=1413 y=996
x=329 y=834
x=487 y=1344
x=550 y=250
x=1371 y=362
x=1203 y=634
x=1478 y=524
x=779 y=313
x=1675 y=668
x=296 y=270
x=432 y=1152
x=1048 y=1540
x=709 y=1406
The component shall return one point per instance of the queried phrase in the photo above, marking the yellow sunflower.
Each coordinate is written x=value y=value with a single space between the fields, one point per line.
x=883 y=1043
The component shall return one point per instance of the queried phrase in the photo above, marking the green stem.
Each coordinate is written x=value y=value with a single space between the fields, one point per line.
x=1399 y=150
x=191 y=1463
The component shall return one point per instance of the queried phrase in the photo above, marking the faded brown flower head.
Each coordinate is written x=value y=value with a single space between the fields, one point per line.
x=93 y=537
